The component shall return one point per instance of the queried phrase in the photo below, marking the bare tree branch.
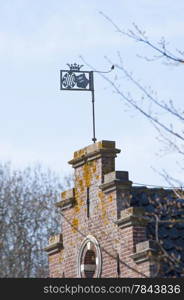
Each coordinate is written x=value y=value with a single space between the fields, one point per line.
x=140 y=36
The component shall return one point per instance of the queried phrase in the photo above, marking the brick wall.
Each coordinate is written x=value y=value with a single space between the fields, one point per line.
x=99 y=206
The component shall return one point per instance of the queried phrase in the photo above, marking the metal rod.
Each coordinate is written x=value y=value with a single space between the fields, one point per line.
x=93 y=106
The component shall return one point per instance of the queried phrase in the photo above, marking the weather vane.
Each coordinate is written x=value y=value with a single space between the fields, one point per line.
x=76 y=80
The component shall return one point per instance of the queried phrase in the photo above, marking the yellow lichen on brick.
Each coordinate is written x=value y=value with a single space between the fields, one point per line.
x=52 y=239
x=87 y=176
x=100 y=195
x=100 y=145
x=76 y=208
x=103 y=144
x=51 y=259
x=103 y=213
x=61 y=257
x=94 y=167
x=80 y=202
x=78 y=199
x=75 y=224
x=76 y=193
x=81 y=185
x=110 y=198
x=81 y=152
x=63 y=195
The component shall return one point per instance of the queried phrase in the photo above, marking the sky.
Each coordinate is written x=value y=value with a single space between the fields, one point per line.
x=40 y=123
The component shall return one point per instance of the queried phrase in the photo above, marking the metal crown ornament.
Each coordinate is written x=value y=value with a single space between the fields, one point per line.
x=74 y=67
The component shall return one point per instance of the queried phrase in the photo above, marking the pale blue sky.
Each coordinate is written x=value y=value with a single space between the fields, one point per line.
x=39 y=123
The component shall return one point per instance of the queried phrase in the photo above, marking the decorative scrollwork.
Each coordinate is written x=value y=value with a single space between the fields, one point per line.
x=69 y=80
x=74 y=78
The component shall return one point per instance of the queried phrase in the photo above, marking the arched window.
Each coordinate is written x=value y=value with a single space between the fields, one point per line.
x=89 y=258
x=89 y=263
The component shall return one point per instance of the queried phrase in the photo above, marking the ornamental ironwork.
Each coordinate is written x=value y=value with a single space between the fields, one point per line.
x=74 y=79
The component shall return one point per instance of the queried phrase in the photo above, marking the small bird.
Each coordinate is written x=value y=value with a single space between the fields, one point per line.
x=112 y=68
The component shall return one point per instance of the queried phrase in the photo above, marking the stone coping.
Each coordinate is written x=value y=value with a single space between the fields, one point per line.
x=55 y=244
x=131 y=216
x=115 y=180
x=94 y=151
x=145 y=251
x=68 y=199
